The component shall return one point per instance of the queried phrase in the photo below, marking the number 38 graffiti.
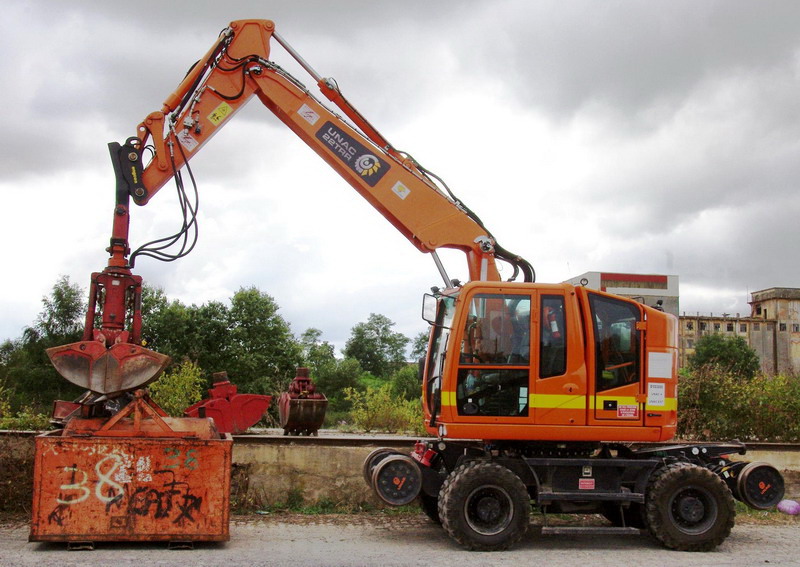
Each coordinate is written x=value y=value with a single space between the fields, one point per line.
x=115 y=470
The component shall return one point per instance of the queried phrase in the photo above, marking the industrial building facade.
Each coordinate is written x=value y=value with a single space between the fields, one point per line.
x=772 y=328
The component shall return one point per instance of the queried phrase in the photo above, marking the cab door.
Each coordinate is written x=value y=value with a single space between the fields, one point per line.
x=559 y=390
x=615 y=348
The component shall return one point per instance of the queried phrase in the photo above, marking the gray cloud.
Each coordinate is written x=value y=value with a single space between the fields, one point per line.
x=674 y=141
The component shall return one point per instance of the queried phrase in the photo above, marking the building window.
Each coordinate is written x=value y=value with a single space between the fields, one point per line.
x=729 y=327
x=689 y=326
x=756 y=326
x=702 y=326
x=782 y=327
x=742 y=328
x=758 y=310
x=716 y=326
x=795 y=328
x=689 y=343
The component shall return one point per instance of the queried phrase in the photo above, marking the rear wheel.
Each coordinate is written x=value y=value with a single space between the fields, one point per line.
x=689 y=508
x=484 y=506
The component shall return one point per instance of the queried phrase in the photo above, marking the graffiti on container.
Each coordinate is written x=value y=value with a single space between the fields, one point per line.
x=162 y=501
x=116 y=483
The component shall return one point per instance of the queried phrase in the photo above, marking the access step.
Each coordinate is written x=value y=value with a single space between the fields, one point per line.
x=589 y=530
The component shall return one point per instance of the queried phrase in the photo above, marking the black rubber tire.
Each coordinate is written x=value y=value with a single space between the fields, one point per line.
x=689 y=508
x=430 y=507
x=484 y=506
x=632 y=517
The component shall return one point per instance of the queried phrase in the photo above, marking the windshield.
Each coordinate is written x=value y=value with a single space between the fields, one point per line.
x=436 y=356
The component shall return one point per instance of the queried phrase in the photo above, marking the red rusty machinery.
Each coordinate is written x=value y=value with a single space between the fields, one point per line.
x=232 y=412
x=137 y=476
x=302 y=408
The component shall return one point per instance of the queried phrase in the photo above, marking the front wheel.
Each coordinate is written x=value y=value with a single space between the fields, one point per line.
x=484 y=506
x=689 y=508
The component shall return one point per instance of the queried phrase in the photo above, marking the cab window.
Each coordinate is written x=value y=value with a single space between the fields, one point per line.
x=552 y=337
x=494 y=375
x=616 y=340
x=497 y=330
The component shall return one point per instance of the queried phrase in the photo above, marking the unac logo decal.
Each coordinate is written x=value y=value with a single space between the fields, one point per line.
x=353 y=153
x=367 y=165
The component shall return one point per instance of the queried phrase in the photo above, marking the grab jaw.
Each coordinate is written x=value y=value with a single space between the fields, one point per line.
x=120 y=368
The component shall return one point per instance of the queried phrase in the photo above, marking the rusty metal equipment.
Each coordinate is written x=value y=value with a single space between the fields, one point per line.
x=232 y=412
x=302 y=409
x=137 y=476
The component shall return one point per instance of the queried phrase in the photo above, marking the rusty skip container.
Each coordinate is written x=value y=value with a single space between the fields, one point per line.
x=138 y=479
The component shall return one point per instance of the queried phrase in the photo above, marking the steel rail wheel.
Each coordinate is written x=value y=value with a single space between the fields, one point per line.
x=689 y=508
x=484 y=506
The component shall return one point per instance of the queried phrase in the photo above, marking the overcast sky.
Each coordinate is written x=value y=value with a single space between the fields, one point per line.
x=644 y=137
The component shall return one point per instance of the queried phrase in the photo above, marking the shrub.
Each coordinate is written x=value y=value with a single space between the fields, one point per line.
x=718 y=405
x=376 y=409
x=178 y=388
x=25 y=419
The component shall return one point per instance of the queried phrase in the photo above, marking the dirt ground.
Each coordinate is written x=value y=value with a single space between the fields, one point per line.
x=403 y=540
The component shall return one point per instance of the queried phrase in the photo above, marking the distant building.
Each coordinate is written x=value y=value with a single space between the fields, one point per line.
x=649 y=289
x=772 y=329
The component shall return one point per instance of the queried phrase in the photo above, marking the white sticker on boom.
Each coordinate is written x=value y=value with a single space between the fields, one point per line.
x=659 y=365
x=186 y=140
x=656 y=394
x=401 y=190
x=308 y=113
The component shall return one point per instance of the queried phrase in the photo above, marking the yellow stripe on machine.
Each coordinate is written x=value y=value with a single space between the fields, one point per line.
x=568 y=401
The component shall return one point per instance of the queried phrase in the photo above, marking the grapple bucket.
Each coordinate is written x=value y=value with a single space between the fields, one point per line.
x=232 y=412
x=123 y=367
x=301 y=416
x=302 y=409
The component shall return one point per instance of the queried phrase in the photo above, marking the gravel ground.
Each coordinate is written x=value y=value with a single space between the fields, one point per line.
x=404 y=540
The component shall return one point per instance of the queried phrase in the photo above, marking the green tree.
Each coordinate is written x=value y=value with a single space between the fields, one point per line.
x=335 y=377
x=63 y=312
x=729 y=354
x=178 y=388
x=406 y=384
x=378 y=348
x=247 y=339
x=316 y=352
x=25 y=370
x=419 y=345
x=264 y=354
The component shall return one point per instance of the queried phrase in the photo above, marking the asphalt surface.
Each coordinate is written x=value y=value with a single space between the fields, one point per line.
x=409 y=540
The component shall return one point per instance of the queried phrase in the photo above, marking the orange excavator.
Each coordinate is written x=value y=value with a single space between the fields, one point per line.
x=536 y=395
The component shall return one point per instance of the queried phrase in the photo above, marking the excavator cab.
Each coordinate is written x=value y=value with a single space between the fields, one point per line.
x=547 y=361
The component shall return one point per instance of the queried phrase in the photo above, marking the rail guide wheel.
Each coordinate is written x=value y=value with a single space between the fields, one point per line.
x=397 y=480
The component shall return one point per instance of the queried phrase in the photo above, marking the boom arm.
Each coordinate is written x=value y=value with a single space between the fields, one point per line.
x=237 y=67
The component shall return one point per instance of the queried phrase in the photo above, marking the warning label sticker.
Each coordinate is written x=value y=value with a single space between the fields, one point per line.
x=586 y=484
x=186 y=140
x=220 y=113
x=627 y=411
x=308 y=114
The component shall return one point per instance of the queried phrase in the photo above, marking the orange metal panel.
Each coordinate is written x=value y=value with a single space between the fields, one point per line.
x=129 y=489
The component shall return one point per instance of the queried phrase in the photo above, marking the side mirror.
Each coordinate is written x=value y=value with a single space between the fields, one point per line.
x=429 y=305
